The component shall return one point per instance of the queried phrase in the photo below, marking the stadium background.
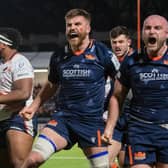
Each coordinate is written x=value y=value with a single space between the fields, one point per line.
x=41 y=23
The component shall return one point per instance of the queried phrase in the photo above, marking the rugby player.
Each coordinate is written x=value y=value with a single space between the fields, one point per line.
x=77 y=73
x=146 y=74
x=16 y=86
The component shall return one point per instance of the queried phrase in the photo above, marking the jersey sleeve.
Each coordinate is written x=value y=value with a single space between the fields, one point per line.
x=108 y=59
x=53 y=72
x=22 y=68
x=111 y=64
x=123 y=73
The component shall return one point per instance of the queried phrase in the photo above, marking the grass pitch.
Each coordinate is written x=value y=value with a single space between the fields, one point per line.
x=73 y=158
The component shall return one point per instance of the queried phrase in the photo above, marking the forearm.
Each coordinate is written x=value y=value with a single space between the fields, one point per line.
x=47 y=91
x=14 y=96
x=113 y=113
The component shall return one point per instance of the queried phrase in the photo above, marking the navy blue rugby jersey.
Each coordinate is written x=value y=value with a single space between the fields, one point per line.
x=148 y=79
x=81 y=78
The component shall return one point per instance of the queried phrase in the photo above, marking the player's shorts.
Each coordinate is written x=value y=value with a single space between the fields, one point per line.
x=83 y=131
x=148 y=143
x=17 y=123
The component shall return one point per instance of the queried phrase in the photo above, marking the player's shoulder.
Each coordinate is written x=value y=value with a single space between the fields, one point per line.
x=19 y=57
x=102 y=46
x=102 y=50
x=59 y=53
x=133 y=58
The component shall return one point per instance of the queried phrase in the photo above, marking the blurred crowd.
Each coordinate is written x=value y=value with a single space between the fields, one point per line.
x=48 y=107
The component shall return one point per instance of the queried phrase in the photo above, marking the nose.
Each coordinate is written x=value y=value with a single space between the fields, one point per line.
x=72 y=27
x=152 y=30
x=117 y=44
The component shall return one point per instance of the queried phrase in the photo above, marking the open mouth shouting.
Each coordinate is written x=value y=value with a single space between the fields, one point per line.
x=151 y=40
x=72 y=35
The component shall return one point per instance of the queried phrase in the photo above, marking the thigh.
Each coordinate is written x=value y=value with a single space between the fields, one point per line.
x=114 y=150
x=161 y=165
x=59 y=141
x=19 y=136
x=88 y=132
x=143 y=166
x=121 y=158
x=19 y=144
x=58 y=131
x=94 y=150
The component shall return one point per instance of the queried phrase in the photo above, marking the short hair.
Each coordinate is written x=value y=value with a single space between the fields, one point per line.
x=11 y=37
x=78 y=12
x=119 y=30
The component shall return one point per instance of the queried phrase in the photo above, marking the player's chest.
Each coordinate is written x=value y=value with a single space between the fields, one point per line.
x=5 y=73
x=149 y=76
x=79 y=68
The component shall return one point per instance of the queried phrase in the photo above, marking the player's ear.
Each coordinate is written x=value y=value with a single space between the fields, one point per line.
x=129 y=42
x=167 y=34
x=88 y=28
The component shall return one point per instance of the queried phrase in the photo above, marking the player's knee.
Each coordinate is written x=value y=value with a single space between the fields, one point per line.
x=17 y=162
x=99 y=160
x=44 y=147
x=32 y=161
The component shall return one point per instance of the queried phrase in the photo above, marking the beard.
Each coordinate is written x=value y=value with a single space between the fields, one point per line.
x=77 y=39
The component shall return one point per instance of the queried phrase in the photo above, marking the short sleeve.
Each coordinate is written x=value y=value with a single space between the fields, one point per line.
x=52 y=70
x=21 y=68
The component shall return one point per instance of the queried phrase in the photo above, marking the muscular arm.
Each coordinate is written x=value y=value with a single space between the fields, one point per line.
x=47 y=91
x=21 y=91
x=115 y=106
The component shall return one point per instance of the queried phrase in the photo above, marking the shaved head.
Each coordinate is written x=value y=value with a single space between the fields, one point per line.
x=155 y=34
x=160 y=19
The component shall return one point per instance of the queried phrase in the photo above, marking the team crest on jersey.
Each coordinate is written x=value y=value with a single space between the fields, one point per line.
x=52 y=122
x=90 y=57
x=139 y=155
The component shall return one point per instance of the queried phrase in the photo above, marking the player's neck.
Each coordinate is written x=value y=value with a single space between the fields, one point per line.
x=85 y=43
x=8 y=54
x=160 y=52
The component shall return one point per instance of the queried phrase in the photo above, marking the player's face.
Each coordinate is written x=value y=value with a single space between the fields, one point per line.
x=154 y=33
x=77 y=30
x=2 y=47
x=120 y=45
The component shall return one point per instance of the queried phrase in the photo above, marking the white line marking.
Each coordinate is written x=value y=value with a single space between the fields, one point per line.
x=68 y=158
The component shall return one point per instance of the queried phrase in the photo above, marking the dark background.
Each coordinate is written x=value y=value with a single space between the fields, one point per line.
x=41 y=22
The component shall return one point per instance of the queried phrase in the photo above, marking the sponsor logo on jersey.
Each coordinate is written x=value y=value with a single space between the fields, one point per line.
x=21 y=65
x=139 y=155
x=76 y=73
x=153 y=75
